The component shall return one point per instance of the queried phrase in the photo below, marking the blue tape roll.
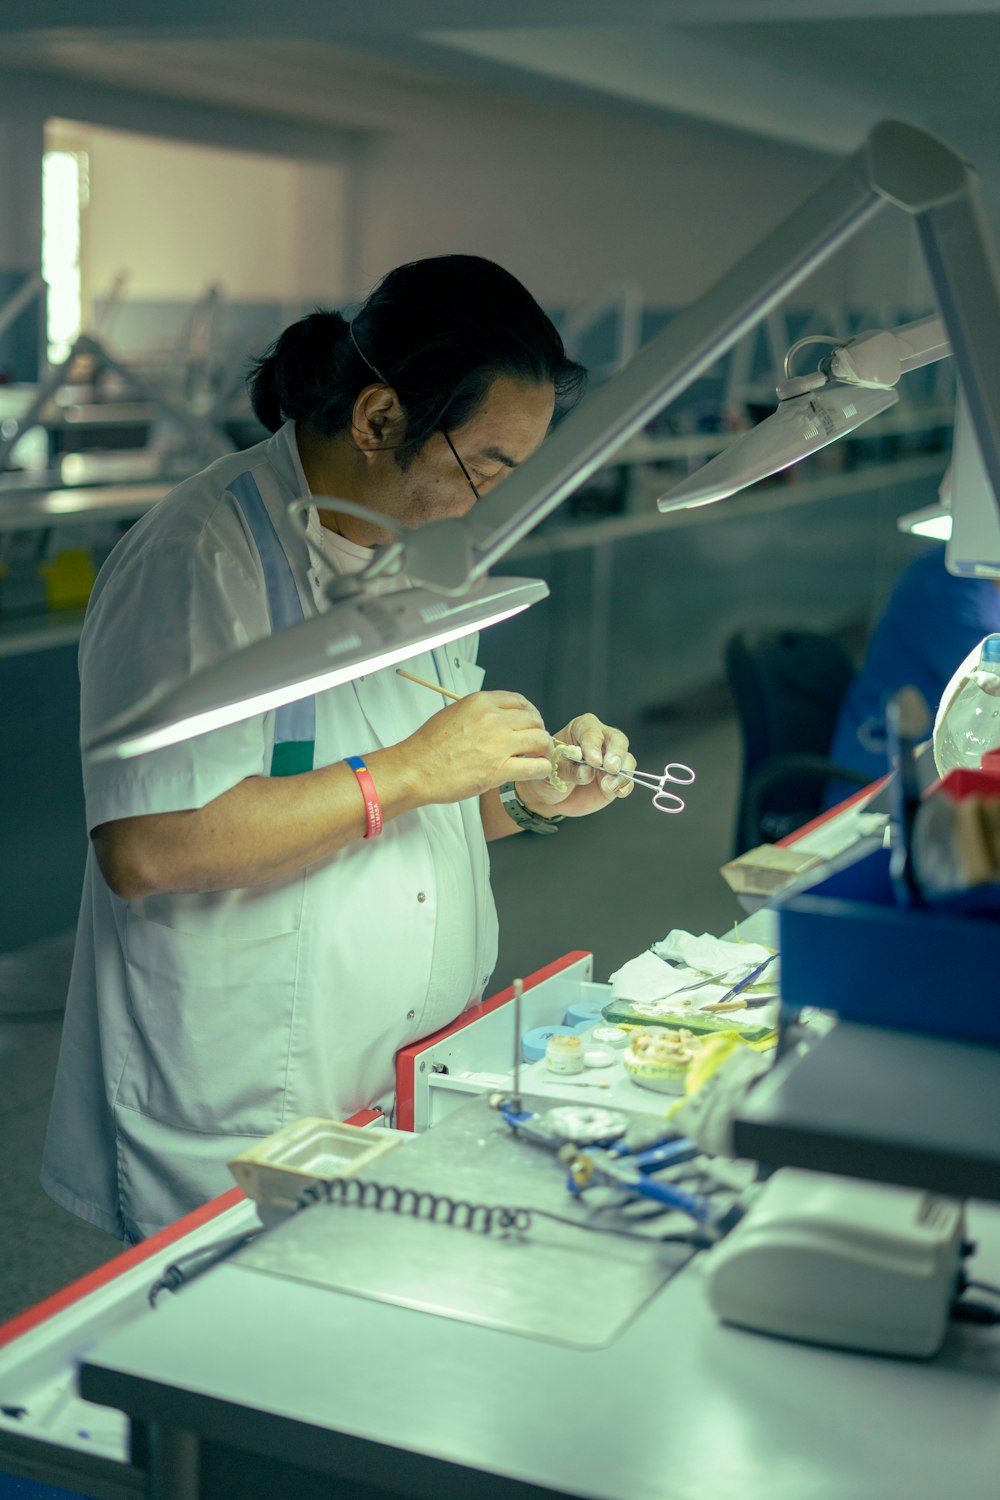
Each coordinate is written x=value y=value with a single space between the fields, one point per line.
x=534 y=1043
x=590 y=1011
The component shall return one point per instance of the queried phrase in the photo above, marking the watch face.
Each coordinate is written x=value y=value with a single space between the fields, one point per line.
x=584 y=1124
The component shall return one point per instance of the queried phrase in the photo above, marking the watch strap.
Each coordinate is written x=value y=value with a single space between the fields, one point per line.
x=525 y=817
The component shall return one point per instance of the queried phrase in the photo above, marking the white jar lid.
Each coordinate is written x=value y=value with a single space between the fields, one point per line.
x=598 y=1057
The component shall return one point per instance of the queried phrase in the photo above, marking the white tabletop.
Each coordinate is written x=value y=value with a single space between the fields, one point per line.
x=676 y=1408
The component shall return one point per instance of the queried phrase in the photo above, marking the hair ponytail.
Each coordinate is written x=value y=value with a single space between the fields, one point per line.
x=299 y=377
x=264 y=397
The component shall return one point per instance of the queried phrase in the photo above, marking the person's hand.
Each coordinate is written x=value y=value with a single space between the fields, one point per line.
x=479 y=743
x=588 y=790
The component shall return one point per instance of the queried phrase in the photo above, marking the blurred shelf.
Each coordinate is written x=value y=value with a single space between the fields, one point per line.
x=761 y=499
x=649 y=448
x=104 y=414
x=18 y=637
x=23 y=509
x=26 y=510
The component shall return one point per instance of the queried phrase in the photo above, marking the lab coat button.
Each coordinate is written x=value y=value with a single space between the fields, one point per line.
x=410 y=1014
x=421 y=896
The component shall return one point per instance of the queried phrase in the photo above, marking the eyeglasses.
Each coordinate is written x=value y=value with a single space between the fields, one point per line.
x=464 y=470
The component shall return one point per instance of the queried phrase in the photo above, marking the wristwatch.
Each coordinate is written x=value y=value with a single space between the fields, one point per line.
x=523 y=816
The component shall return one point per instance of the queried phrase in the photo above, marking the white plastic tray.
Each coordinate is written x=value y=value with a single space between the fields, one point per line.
x=274 y=1172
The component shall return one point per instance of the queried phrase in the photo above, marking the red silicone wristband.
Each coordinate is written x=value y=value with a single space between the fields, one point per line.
x=373 y=808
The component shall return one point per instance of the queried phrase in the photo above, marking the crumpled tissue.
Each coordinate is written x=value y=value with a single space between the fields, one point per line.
x=648 y=978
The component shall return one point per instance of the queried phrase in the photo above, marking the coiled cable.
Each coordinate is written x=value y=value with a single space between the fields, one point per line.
x=415 y=1203
x=481 y=1218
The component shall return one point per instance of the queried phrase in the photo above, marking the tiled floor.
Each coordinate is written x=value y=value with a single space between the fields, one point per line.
x=41 y=1247
x=611 y=884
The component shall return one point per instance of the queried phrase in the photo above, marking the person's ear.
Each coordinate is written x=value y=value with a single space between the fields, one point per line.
x=378 y=420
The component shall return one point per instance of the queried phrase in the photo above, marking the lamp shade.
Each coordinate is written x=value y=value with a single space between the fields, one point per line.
x=355 y=636
x=931 y=520
x=800 y=426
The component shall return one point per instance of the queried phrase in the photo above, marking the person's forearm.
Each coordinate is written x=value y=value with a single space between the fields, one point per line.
x=260 y=830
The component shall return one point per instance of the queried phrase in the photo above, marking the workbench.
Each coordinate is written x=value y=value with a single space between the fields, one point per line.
x=256 y=1382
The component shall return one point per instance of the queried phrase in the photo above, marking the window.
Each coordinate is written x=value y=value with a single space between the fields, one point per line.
x=64 y=196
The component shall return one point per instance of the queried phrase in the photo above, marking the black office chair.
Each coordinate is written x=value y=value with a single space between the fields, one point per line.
x=788 y=686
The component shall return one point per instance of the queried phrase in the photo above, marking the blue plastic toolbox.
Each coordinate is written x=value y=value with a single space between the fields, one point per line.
x=847 y=946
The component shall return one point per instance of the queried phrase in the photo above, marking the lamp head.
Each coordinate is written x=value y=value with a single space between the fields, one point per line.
x=357 y=635
x=932 y=521
x=802 y=424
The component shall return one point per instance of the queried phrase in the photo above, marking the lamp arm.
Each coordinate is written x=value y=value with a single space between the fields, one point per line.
x=922 y=343
x=966 y=280
x=878 y=357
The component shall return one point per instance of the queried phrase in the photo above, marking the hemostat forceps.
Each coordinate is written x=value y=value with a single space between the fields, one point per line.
x=663 y=800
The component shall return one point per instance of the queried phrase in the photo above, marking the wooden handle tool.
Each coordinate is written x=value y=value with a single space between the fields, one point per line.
x=435 y=687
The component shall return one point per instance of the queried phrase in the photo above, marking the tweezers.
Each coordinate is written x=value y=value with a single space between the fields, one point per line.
x=700 y=984
x=744 y=984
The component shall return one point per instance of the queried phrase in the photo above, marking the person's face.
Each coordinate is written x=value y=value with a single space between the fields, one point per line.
x=507 y=430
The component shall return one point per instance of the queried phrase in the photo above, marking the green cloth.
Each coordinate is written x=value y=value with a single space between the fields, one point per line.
x=292 y=757
x=699 y=1023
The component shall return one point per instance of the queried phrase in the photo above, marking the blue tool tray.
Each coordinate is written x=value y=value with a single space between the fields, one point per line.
x=847 y=946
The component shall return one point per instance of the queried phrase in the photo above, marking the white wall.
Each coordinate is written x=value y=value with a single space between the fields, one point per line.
x=573 y=201
x=180 y=217
x=21 y=145
x=570 y=200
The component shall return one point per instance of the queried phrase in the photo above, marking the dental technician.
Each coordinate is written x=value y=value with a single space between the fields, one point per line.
x=272 y=909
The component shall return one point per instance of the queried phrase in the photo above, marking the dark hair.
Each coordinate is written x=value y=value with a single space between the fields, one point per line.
x=439 y=331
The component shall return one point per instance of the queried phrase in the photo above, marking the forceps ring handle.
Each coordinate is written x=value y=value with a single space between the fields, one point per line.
x=680 y=775
x=663 y=801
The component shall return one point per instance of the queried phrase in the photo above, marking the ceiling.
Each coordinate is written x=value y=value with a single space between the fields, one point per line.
x=769 y=68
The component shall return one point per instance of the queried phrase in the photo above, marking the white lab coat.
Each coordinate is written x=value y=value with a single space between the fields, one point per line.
x=197 y=1023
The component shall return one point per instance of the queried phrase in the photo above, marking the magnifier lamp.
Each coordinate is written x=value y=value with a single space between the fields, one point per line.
x=899 y=166
x=359 y=635
x=854 y=383
x=932 y=521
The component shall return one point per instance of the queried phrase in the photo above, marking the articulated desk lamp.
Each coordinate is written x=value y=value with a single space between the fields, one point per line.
x=853 y=383
x=436 y=576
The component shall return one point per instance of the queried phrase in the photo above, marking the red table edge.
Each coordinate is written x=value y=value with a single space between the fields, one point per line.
x=831 y=812
x=406 y=1057
x=40 y=1312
